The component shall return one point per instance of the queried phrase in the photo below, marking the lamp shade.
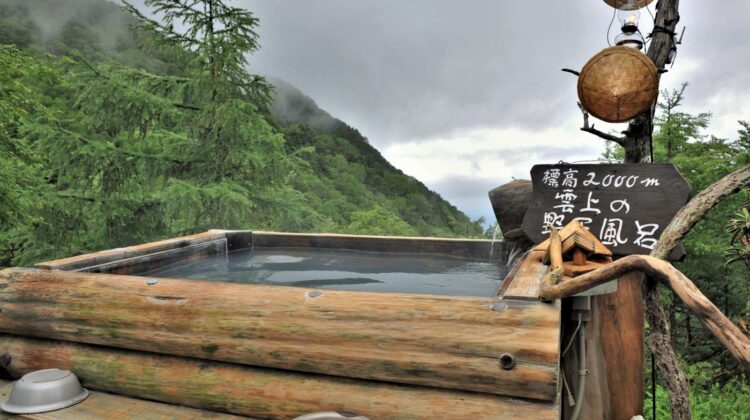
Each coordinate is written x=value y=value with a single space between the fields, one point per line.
x=617 y=84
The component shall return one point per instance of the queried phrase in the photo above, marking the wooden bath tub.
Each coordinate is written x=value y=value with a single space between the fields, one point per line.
x=279 y=352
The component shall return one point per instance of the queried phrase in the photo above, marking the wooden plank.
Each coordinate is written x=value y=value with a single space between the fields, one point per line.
x=465 y=248
x=417 y=339
x=528 y=280
x=256 y=392
x=508 y=280
x=162 y=259
x=97 y=258
x=103 y=406
x=620 y=335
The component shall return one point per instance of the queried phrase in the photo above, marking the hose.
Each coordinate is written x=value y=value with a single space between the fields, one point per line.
x=582 y=371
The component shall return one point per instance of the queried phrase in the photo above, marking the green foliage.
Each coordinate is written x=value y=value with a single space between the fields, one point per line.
x=739 y=228
x=709 y=398
x=379 y=221
x=15 y=26
x=718 y=387
x=677 y=131
x=739 y=224
x=703 y=159
x=20 y=186
x=123 y=137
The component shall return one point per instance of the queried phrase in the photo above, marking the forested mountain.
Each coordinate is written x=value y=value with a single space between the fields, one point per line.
x=118 y=129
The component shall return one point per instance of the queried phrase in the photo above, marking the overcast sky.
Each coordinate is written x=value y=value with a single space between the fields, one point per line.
x=466 y=95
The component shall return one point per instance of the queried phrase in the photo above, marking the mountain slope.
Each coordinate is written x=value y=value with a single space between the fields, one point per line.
x=337 y=182
x=345 y=161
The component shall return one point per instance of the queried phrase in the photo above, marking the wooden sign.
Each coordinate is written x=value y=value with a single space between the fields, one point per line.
x=627 y=206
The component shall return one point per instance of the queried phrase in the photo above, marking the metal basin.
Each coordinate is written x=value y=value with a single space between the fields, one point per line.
x=332 y=415
x=44 y=390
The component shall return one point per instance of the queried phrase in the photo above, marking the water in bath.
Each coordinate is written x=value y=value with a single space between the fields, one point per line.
x=346 y=270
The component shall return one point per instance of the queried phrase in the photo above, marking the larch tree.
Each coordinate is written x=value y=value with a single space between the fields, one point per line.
x=136 y=155
x=234 y=162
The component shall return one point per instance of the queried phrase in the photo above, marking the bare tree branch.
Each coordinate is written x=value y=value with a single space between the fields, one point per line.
x=185 y=106
x=591 y=129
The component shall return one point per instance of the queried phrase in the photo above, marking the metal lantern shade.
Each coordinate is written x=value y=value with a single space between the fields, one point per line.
x=628 y=4
x=617 y=84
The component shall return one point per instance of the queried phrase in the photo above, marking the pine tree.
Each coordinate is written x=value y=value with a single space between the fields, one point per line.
x=236 y=167
x=135 y=155
x=20 y=185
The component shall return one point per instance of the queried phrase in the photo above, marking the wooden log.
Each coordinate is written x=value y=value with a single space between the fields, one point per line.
x=428 y=340
x=103 y=406
x=256 y=392
x=710 y=316
x=140 y=258
x=465 y=248
x=554 y=255
x=80 y=262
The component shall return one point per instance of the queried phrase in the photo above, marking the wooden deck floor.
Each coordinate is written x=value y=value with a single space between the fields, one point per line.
x=100 y=405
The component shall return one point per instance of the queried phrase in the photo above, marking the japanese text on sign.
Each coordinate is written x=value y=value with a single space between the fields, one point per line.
x=626 y=206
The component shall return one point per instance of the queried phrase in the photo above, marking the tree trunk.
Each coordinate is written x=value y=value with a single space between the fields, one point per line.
x=637 y=144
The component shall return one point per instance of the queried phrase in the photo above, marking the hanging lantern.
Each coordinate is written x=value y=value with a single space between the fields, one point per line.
x=628 y=12
x=618 y=84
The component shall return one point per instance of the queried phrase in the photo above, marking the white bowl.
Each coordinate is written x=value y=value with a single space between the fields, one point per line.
x=332 y=415
x=44 y=390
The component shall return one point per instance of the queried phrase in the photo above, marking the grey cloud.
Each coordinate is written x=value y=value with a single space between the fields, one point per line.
x=415 y=69
x=412 y=70
x=469 y=194
x=538 y=154
x=717 y=35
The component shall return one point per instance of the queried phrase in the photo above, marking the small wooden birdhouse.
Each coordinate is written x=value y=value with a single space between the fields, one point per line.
x=581 y=250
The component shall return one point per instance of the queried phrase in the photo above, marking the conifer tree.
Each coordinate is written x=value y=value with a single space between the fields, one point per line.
x=18 y=180
x=235 y=163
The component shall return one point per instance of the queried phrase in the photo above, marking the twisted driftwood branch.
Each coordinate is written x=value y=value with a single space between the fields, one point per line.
x=720 y=326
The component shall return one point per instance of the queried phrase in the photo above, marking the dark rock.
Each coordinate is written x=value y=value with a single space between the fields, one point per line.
x=510 y=202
